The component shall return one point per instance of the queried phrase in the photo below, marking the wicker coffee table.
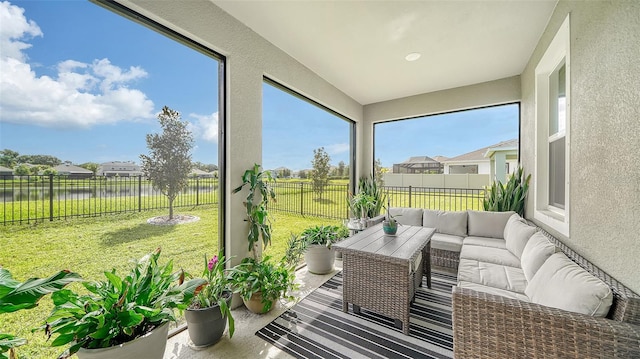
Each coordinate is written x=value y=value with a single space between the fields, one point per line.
x=381 y=272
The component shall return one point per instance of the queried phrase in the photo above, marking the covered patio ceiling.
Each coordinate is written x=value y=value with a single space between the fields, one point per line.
x=360 y=46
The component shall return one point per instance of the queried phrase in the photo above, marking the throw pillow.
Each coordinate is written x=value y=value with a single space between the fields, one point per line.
x=488 y=224
x=517 y=237
x=407 y=216
x=562 y=284
x=537 y=250
x=430 y=218
x=454 y=223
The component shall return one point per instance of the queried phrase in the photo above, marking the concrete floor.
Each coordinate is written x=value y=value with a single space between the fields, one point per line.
x=245 y=344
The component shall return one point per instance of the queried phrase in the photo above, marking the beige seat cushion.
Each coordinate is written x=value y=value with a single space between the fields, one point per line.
x=517 y=234
x=407 y=216
x=485 y=242
x=561 y=283
x=446 y=242
x=490 y=255
x=537 y=250
x=488 y=224
x=492 y=290
x=492 y=275
x=454 y=223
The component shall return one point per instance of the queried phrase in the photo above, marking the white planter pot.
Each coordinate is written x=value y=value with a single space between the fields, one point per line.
x=149 y=346
x=319 y=259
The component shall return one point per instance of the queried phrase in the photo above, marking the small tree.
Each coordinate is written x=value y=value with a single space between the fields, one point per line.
x=377 y=168
x=8 y=158
x=169 y=162
x=49 y=171
x=341 y=167
x=320 y=172
x=91 y=166
x=22 y=170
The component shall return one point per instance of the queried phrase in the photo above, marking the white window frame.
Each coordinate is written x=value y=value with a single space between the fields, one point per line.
x=557 y=53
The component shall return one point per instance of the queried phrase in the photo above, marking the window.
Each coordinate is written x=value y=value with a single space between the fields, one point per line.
x=446 y=143
x=295 y=131
x=552 y=133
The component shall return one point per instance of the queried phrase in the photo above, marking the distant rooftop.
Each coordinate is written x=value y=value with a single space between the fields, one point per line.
x=479 y=155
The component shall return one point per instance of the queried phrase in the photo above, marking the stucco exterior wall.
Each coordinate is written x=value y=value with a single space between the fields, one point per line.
x=249 y=58
x=605 y=132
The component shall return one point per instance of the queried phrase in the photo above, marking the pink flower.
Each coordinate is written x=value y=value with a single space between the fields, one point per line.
x=213 y=262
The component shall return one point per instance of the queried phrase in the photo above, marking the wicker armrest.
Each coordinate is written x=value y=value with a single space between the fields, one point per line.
x=491 y=326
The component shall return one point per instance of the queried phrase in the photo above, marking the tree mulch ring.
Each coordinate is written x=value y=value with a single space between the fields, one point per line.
x=177 y=219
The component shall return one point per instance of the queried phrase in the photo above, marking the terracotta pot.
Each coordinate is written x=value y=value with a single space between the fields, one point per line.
x=206 y=325
x=150 y=346
x=255 y=305
x=319 y=259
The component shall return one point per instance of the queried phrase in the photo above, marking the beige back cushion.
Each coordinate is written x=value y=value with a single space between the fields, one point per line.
x=514 y=218
x=537 y=250
x=488 y=224
x=430 y=218
x=407 y=216
x=454 y=223
x=517 y=235
x=561 y=283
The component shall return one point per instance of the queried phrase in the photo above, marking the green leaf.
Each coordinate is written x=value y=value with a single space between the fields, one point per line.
x=115 y=280
x=7 y=283
x=8 y=341
x=130 y=318
x=63 y=339
x=27 y=294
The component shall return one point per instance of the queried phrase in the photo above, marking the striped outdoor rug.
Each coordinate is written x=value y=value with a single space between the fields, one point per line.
x=317 y=328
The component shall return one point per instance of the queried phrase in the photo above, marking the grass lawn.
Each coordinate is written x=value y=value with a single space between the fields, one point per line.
x=91 y=246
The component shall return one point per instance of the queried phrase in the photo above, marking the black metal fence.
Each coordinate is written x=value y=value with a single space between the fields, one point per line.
x=27 y=199
x=299 y=198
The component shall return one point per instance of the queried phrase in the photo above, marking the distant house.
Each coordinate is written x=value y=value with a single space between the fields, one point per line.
x=119 y=169
x=72 y=172
x=6 y=173
x=483 y=160
x=196 y=172
x=418 y=164
x=503 y=158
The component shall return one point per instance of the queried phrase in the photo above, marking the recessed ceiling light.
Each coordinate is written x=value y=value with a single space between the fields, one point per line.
x=413 y=56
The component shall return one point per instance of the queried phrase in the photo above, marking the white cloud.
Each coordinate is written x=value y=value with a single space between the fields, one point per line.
x=80 y=95
x=205 y=127
x=13 y=27
x=337 y=148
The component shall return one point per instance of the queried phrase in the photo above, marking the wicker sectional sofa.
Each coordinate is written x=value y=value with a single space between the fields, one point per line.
x=521 y=293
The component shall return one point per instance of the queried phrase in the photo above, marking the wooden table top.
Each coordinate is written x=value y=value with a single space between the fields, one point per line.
x=402 y=247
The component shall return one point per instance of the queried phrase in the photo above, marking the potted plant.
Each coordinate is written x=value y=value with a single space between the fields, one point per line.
x=260 y=193
x=209 y=311
x=508 y=197
x=368 y=202
x=315 y=243
x=15 y=296
x=121 y=317
x=262 y=282
x=389 y=224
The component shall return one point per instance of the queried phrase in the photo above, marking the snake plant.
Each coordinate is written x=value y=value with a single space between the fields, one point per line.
x=509 y=196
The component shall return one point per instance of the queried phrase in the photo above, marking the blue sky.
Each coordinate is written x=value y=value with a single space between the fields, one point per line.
x=85 y=85
x=448 y=135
